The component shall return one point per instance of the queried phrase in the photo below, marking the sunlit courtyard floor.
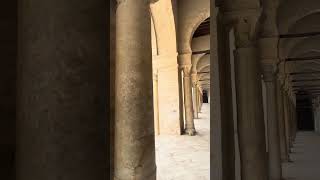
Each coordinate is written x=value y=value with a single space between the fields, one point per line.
x=186 y=157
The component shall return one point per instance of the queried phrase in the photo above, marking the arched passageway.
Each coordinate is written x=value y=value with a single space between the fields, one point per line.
x=256 y=63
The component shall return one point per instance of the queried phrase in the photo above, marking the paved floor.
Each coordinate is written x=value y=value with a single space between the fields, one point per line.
x=306 y=158
x=186 y=157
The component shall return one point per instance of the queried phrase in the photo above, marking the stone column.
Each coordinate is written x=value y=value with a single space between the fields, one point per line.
x=134 y=116
x=188 y=104
x=249 y=99
x=62 y=91
x=269 y=77
x=195 y=95
x=156 y=104
x=293 y=120
x=290 y=120
x=269 y=58
x=282 y=127
x=287 y=121
x=200 y=99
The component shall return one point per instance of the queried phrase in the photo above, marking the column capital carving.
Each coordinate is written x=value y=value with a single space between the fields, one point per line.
x=245 y=23
x=184 y=59
x=186 y=70
x=269 y=72
x=194 y=79
x=268 y=49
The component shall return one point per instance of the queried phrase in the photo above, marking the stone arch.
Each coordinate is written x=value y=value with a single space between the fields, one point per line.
x=307 y=23
x=191 y=15
x=290 y=11
x=203 y=62
x=164 y=25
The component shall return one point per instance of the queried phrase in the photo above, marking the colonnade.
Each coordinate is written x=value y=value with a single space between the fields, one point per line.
x=63 y=122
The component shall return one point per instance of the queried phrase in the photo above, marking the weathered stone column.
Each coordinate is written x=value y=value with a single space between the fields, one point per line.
x=185 y=65
x=282 y=127
x=287 y=118
x=156 y=104
x=200 y=99
x=134 y=116
x=62 y=90
x=293 y=119
x=249 y=99
x=268 y=55
x=195 y=95
x=275 y=171
x=289 y=103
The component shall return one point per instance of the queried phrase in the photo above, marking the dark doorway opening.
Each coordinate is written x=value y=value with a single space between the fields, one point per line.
x=304 y=113
x=205 y=97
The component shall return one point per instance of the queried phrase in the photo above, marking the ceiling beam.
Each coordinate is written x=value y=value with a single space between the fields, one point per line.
x=298 y=35
x=203 y=72
x=201 y=52
x=306 y=86
x=305 y=80
x=307 y=72
x=311 y=58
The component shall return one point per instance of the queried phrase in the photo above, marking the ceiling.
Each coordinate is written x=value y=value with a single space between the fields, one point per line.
x=203 y=29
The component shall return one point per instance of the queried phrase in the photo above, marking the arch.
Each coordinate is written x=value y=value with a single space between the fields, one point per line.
x=195 y=59
x=290 y=11
x=203 y=62
x=191 y=15
x=300 y=26
x=163 y=18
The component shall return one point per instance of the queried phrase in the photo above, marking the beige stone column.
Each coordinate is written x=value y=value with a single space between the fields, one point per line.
x=62 y=90
x=290 y=120
x=195 y=95
x=268 y=54
x=185 y=65
x=275 y=171
x=287 y=119
x=200 y=99
x=249 y=99
x=282 y=127
x=134 y=116
x=293 y=120
x=156 y=104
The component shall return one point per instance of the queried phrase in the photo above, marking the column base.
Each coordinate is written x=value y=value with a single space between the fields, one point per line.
x=152 y=176
x=190 y=132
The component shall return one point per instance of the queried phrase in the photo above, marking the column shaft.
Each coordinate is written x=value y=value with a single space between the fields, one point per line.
x=62 y=92
x=195 y=102
x=134 y=116
x=250 y=115
x=273 y=131
x=287 y=122
x=156 y=105
x=189 y=126
x=282 y=130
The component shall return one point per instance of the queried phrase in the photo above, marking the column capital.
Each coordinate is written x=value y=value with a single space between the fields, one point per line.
x=268 y=49
x=184 y=59
x=194 y=79
x=186 y=70
x=269 y=72
x=245 y=23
